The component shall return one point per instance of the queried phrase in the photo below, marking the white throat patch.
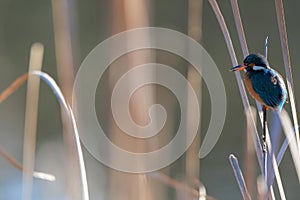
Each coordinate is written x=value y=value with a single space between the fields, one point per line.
x=258 y=68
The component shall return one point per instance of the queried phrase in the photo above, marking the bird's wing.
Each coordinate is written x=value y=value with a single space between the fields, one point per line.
x=271 y=88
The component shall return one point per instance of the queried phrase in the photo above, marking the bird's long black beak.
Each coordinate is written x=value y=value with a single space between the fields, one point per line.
x=238 y=68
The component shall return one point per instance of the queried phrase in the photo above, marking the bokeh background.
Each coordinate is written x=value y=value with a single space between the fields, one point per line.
x=23 y=23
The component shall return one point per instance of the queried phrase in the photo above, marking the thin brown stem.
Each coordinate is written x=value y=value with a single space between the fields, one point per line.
x=239 y=25
x=13 y=87
x=11 y=160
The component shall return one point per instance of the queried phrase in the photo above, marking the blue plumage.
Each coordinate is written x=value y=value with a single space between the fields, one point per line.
x=269 y=86
x=264 y=84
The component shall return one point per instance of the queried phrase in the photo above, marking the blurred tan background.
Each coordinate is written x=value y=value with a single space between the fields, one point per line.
x=90 y=22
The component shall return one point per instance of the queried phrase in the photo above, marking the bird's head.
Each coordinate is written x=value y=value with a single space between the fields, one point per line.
x=253 y=62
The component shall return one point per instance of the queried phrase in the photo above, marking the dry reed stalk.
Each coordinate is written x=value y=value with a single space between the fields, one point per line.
x=243 y=43
x=287 y=64
x=115 y=178
x=290 y=86
x=271 y=158
x=261 y=188
x=284 y=44
x=239 y=25
x=288 y=70
x=129 y=15
x=192 y=161
x=241 y=86
x=289 y=132
x=275 y=130
x=31 y=116
x=239 y=177
x=242 y=90
x=250 y=154
x=63 y=46
x=272 y=167
x=61 y=11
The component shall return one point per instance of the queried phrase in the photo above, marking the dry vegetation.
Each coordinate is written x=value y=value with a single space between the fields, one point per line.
x=191 y=187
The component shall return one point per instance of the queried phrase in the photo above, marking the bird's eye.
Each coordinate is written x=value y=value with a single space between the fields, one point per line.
x=246 y=64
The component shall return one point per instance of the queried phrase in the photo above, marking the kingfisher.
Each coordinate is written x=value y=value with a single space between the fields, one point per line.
x=263 y=83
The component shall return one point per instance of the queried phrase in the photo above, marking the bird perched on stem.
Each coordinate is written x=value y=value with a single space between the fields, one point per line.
x=263 y=83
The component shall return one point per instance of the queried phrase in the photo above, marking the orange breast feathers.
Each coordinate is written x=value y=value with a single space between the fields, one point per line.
x=251 y=90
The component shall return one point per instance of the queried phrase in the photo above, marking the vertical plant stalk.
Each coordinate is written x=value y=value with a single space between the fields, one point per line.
x=242 y=90
x=115 y=179
x=238 y=76
x=239 y=25
x=289 y=79
x=128 y=15
x=244 y=46
x=271 y=157
x=250 y=153
x=282 y=151
x=239 y=177
x=275 y=129
x=137 y=15
x=31 y=115
x=264 y=146
x=192 y=161
x=264 y=126
x=289 y=132
x=261 y=188
x=63 y=46
x=266 y=47
x=61 y=10
x=287 y=64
